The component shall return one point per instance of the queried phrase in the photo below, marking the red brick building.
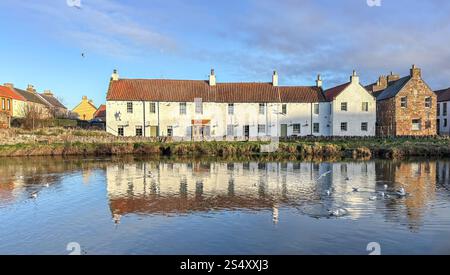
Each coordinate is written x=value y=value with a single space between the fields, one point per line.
x=405 y=106
x=6 y=107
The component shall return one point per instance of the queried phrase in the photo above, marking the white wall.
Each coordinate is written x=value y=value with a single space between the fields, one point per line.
x=444 y=130
x=217 y=113
x=354 y=95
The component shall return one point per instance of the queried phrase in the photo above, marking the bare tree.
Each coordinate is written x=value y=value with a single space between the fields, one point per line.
x=33 y=116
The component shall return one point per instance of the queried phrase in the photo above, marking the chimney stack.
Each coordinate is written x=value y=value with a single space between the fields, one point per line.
x=275 y=79
x=9 y=85
x=319 y=81
x=392 y=77
x=48 y=92
x=212 y=78
x=115 y=76
x=354 y=78
x=84 y=98
x=30 y=88
x=415 y=72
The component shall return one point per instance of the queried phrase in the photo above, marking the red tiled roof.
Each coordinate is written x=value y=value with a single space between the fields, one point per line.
x=188 y=90
x=332 y=93
x=101 y=111
x=7 y=92
x=443 y=95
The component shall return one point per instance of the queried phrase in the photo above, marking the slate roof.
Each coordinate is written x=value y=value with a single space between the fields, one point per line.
x=188 y=90
x=29 y=96
x=443 y=95
x=53 y=101
x=393 y=89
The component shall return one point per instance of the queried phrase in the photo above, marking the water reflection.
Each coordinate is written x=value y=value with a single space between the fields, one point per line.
x=128 y=194
x=171 y=188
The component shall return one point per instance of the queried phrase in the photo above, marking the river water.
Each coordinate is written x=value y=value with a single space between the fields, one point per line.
x=137 y=206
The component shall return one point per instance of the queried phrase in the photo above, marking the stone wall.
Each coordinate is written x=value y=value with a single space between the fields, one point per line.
x=416 y=91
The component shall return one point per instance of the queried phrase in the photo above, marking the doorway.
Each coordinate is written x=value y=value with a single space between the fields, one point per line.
x=284 y=130
x=246 y=132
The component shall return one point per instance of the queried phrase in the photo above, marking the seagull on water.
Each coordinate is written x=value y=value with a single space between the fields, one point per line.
x=385 y=187
x=34 y=195
x=401 y=192
x=355 y=189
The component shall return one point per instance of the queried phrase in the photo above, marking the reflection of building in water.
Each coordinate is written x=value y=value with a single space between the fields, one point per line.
x=443 y=172
x=419 y=181
x=182 y=187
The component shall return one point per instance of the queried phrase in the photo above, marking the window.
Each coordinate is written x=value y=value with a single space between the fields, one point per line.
x=364 y=126
x=445 y=122
x=284 y=109
x=262 y=108
x=120 y=132
x=404 y=102
x=416 y=125
x=130 y=107
x=230 y=108
x=316 y=109
x=344 y=106
x=230 y=130
x=198 y=106
x=8 y=105
x=428 y=102
x=439 y=109
x=365 y=106
x=261 y=129
x=169 y=131
x=182 y=108
x=344 y=126
x=444 y=109
x=296 y=129
x=316 y=128
x=3 y=104
x=152 y=108
x=139 y=131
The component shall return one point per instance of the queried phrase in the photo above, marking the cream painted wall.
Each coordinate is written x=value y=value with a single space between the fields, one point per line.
x=18 y=108
x=354 y=95
x=217 y=113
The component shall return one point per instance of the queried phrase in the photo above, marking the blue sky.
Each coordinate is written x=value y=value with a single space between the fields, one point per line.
x=244 y=40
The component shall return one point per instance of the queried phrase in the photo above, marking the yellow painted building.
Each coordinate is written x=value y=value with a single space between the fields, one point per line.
x=86 y=109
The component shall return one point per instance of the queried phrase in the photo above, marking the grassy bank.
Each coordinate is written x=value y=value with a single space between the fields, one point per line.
x=342 y=148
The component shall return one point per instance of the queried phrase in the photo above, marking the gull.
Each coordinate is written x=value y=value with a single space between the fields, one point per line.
x=116 y=218
x=355 y=189
x=323 y=175
x=34 y=195
x=373 y=198
x=347 y=178
x=47 y=185
x=338 y=212
x=401 y=192
x=328 y=192
x=385 y=187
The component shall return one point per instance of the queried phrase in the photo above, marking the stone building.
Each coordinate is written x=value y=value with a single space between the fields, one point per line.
x=6 y=108
x=406 y=106
x=443 y=111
